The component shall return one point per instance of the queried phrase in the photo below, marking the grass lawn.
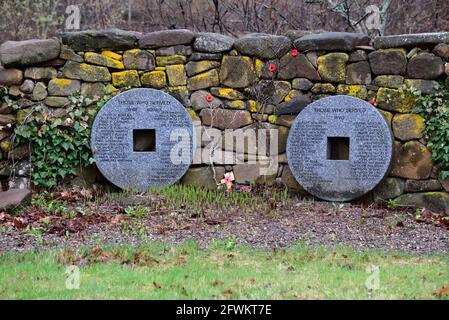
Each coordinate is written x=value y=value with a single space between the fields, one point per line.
x=223 y=271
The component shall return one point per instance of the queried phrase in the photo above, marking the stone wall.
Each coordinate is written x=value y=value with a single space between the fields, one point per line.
x=224 y=82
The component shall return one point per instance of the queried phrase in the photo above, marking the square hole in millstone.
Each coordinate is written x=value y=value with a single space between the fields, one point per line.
x=144 y=140
x=338 y=148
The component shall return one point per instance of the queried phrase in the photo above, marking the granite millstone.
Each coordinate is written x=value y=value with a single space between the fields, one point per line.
x=316 y=148
x=133 y=161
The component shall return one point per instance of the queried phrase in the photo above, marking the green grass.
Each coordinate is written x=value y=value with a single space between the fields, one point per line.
x=222 y=271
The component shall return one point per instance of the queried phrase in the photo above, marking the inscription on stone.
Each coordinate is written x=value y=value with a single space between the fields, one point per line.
x=143 y=138
x=339 y=148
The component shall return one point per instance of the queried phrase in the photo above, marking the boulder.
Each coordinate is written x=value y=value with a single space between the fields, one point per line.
x=425 y=86
x=128 y=78
x=442 y=50
x=39 y=92
x=23 y=53
x=154 y=79
x=422 y=185
x=227 y=93
x=68 y=54
x=294 y=106
x=203 y=177
x=302 y=84
x=411 y=40
x=176 y=75
x=297 y=67
x=56 y=102
x=332 y=66
x=434 y=201
x=14 y=198
x=225 y=119
x=40 y=73
x=90 y=40
x=425 y=66
x=162 y=61
x=212 y=42
x=63 y=87
x=102 y=60
x=174 y=50
x=237 y=72
x=137 y=59
x=246 y=173
x=354 y=90
x=204 y=80
x=263 y=45
x=412 y=161
x=358 y=55
x=358 y=73
x=394 y=100
x=408 y=126
x=388 y=188
x=165 y=38
x=93 y=90
x=330 y=41
x=27 y=86
x=320 y=88
x=200 y=101
x=289 y=180
x=196 y=56
x=391 y=61
x=263 y=68
x=86 y=72
x=10 y=76
x=195 y=67
x=391 y=81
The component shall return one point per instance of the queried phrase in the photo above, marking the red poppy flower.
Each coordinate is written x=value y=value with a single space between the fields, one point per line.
x=272 y=67
x=373 y=102
x=209 y=98
x=294 y=53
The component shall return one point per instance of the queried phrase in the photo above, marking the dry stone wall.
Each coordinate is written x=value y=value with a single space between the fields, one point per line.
x=256 y=81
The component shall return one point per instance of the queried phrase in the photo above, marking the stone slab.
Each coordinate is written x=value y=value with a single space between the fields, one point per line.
x=339 y=148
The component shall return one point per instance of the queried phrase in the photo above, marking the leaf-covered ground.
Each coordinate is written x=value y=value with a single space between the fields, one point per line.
x=223 y=270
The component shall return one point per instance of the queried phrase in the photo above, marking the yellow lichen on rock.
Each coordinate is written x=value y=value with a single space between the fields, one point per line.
x=129 y=78
x=176 y=75
x=332 y=66
x=227 y=93
x=408 y=126
x=162 y=61
x=204 y=80
x=252 y=105
x=237 y=104
x=154 y=79
x=272 y=118
x=357 y=91
x=112 y=55
x=102 y=60
x=394 y=100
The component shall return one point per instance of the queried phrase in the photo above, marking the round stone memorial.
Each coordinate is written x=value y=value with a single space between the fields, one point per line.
x=143 y=138
x=339 y=148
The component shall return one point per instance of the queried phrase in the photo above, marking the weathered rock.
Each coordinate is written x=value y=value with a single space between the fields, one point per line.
x=320 y=88
x=227 y=93
x=93 y=90
x=358 y=55
x=262 y=45
x=392 y=81
x=165 y=38
x=23 y=53
x=63 y=87
x=330 y=41
x=10 y=76
x=200 y=100
x=237 y=71
x=176 y=75
x=56 y=102
x=281 y=89
x=204 y=80
x=197 y=56
x=289 y=180
x=154 y=79
x=390 y=61
x=388 y=188
x=138 y=60
x=297 y=67
x=442 y=50
x=225 y=119
x=163 y=61
x=425 y=66
x=40 y=73
x=85 y=72
x=358 y=73
x=425 y=86
x=302 y=84
x=412 y=161
x=422 y=185
x=128 y=78
x=195 y=67
x=174 y=50
x=68 y=54
x=411 y=40
x=112 y=55
x=39 y=92
x=103 y=60
x=434 y=201
x=394 y=100
x=285 y=120
x=14 y=198
x=7 y=119
x=204 y=177
x=212 y=42
x=408 y=126
x=294 y=106
x=246 y=173
x=354 y=90
x=111 y=39
x=27 y=86
x=332 y=66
